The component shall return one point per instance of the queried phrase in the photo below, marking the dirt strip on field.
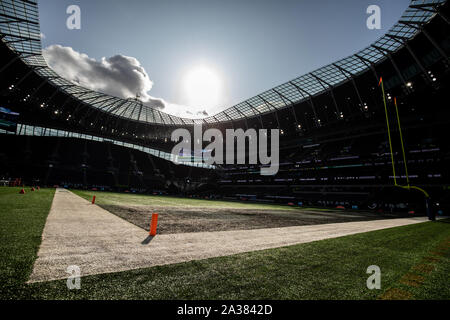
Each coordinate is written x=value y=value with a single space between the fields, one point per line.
x=79 y=233
x=176 y=219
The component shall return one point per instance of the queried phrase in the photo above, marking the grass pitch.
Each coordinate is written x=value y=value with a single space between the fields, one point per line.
x=22 y=219
x=328 y=269
x=180 y=215
x=112 y=198
x=414 y=262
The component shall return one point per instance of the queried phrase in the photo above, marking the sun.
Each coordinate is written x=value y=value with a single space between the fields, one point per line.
x=202 y=88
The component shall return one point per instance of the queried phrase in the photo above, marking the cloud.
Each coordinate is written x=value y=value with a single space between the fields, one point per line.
x=120 y=76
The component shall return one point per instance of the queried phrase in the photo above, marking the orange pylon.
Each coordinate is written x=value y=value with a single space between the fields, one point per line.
x=153 y=224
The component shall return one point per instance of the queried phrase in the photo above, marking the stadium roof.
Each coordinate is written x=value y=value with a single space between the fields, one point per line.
x=19 y=29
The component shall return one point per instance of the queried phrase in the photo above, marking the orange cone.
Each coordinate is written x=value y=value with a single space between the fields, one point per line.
x=154 y=224
x=93 y=200
x=22 y=191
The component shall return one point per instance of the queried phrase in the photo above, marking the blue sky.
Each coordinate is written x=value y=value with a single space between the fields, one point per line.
x=252 y=45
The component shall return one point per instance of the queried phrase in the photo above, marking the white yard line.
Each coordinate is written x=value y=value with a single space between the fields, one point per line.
x=82 y=234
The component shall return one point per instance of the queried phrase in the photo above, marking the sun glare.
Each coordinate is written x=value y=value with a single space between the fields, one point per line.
x=202 y=88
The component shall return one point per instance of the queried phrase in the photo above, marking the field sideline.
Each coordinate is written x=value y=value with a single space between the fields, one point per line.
x=414 y=261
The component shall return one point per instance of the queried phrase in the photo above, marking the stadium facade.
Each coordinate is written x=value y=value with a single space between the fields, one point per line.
x=334 y=146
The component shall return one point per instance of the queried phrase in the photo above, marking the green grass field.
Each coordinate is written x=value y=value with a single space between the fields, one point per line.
x=328 y=269
x=22 y=219
x=108 y=198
